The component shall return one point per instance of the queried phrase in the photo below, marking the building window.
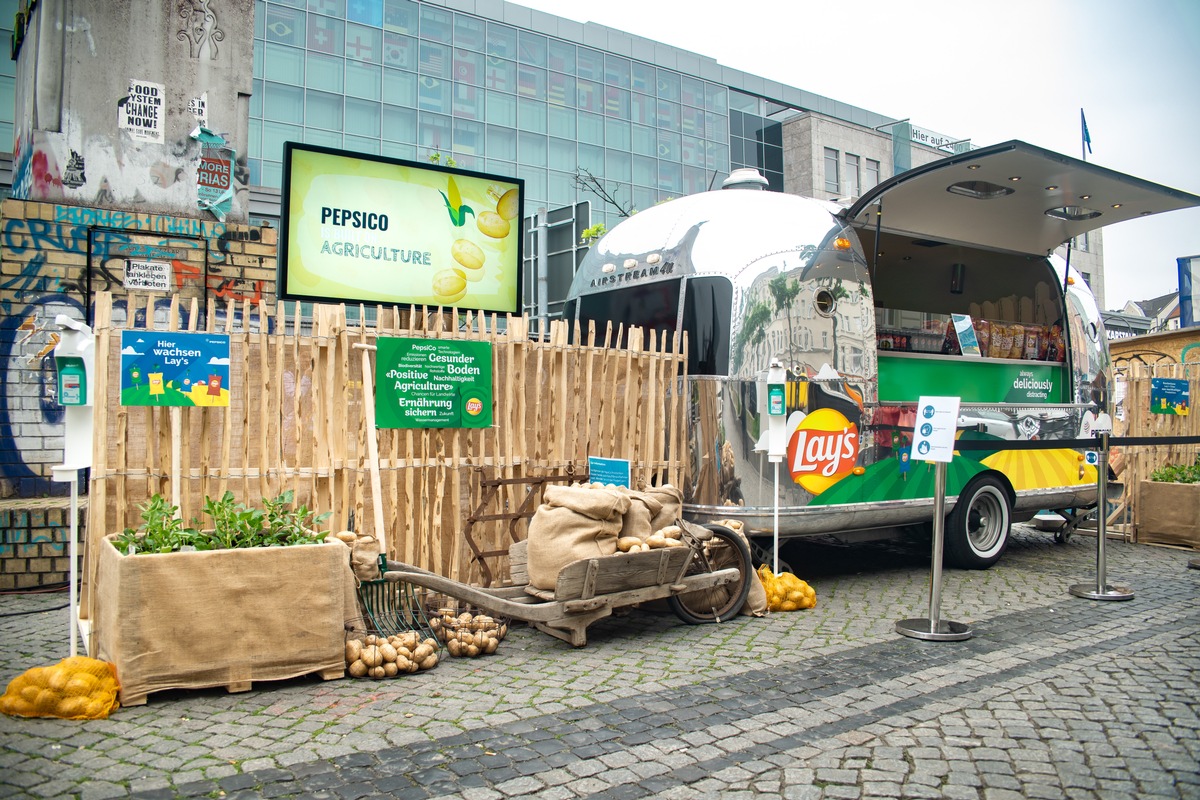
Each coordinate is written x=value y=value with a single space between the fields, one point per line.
x=852 y=176
x=832 y=181
x=872 y=175
x=1080 y=243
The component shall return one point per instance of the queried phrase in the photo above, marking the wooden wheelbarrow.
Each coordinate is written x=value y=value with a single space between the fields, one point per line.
x=590 y=589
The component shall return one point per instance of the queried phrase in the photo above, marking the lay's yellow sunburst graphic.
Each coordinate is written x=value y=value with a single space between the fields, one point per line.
x=822 y=450
x=1042 y=469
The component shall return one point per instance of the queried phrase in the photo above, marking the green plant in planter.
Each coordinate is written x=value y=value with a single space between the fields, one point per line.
x=234 y=525
x=162 y=531
x=1177 y=473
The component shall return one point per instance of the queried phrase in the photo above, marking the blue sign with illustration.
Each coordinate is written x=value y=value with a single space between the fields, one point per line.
x=613 y=471
x=1169 y=396
x=160 y=368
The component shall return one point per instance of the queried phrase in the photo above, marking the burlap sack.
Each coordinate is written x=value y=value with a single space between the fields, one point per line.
x=671 y=500
x=643 y=509
x=573 y=522
x=364 y=557
x=756 y=601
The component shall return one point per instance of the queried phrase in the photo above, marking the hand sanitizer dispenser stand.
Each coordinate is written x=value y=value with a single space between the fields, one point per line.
x=776 y=434
x=74 y=357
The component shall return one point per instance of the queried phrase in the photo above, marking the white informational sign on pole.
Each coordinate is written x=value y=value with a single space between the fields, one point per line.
x=933 y=435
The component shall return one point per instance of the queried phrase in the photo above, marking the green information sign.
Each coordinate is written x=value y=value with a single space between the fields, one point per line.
x=904 y=378
x=433 y=383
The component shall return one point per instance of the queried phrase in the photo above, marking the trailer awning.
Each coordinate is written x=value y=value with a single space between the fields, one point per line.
x=1011 y=196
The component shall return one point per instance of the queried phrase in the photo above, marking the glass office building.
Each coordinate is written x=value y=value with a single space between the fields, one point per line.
x=515 y=92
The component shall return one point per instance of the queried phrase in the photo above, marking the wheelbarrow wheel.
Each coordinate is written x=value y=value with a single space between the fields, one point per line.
x=725 y=549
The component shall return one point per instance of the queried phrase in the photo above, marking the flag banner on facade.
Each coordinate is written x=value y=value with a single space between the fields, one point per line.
x=1087 y=137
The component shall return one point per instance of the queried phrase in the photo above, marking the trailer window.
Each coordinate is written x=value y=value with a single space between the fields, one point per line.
x=655 y=307
x=652 y=307
x=706 y=311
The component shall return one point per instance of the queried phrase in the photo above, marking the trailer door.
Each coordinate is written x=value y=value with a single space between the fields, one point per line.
x=1011 y=196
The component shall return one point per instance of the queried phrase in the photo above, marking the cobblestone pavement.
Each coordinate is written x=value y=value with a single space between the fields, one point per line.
x=1054 y=696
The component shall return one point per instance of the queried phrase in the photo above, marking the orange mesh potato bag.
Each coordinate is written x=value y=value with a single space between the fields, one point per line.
x=75 y=688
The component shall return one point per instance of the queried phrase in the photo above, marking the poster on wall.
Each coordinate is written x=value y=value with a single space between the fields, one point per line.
x=140 y=112
x=147 y=276
x=363 y=228
x=1169 y=396
x=432 y=383
x=160 y=368
x=214 y=175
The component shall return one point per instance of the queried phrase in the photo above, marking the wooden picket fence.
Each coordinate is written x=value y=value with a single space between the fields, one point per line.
x=296 y=421
x=1138 y=462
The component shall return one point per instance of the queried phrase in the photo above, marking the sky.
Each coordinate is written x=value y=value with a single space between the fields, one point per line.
x=988 y=71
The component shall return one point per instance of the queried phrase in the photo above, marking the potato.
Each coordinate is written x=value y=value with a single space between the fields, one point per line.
x=390 y=669
x=626 y=542
x=454 y=647
x=509 y=205
x=450 y=285
x=349 y=537
x=404 y=665
x=472 y=651
x=376 y=672
x=422 y=652
x=671 y=532
x=675 y=543
x=371 y=656
x=358 y=669
x=656 y=540
x=430 y=662
x=370 y=639
x=467 y=253
x=388 y=652
x=353 y=650
x=491 y=645
x=492 y=224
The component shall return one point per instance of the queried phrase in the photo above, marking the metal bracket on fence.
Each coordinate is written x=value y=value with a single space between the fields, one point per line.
x=1101 y=589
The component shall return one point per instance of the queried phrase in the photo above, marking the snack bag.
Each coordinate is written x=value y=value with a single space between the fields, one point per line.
x=1032 y=342
x=1017 y=349
x=1057 y=351
x=1001 y=340
x=950 y=345
x=983 y=333
x=1043 y=342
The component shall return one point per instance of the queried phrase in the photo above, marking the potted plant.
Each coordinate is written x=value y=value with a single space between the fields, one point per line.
x=255 y=594
x=1169 y=506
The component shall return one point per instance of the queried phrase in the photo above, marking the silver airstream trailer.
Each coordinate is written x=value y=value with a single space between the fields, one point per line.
x=864 y=307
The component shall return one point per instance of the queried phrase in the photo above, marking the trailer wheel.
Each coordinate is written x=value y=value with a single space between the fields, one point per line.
x=725 y=549
x=977 y=529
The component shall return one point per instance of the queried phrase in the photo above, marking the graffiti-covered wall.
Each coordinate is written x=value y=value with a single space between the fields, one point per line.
x=135 y=105
x=55 y=258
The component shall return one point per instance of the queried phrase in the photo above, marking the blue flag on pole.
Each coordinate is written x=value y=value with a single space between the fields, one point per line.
x=1087 y=137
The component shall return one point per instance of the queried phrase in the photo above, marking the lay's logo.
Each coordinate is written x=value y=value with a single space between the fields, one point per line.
x=822 y=450
x=474 y=406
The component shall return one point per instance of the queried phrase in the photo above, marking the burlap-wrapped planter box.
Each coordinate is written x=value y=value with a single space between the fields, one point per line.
x=1169 y=513
x=222 y=617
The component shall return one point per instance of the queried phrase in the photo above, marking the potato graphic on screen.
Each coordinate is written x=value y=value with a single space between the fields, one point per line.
x=509 y=206
x=468 y=254
x=492 y=224
x=450 y=285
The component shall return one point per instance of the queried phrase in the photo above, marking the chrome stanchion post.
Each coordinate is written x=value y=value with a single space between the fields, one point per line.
x=934 y=628
x=1101 y=590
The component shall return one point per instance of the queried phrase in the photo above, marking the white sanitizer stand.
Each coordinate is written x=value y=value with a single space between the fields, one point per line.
x=75 y=357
